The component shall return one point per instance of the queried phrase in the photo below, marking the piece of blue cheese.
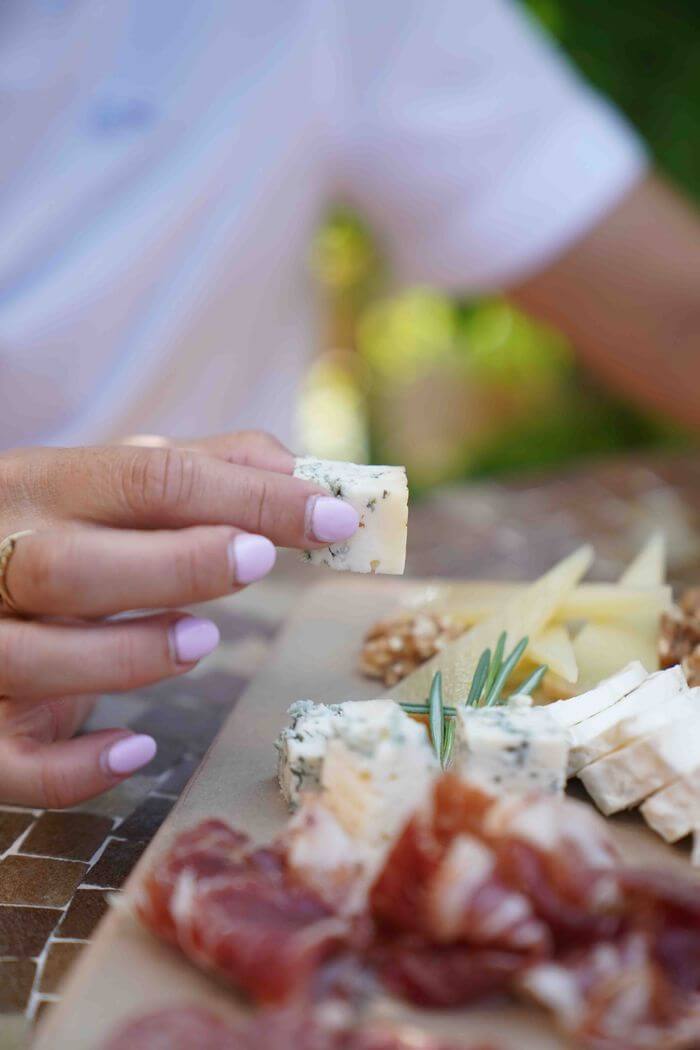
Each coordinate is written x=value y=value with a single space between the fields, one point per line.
x=379 y=768
x=511 y=749
x=380 y=497
x=301 y=747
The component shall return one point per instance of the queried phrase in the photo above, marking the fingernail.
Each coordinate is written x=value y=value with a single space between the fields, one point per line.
x=332 y=519
x=251 y=557
x=128 y=755
x=192 y=638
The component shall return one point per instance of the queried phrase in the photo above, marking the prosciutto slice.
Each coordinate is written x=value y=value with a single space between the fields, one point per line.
x=196 y=1029
x=239 y=912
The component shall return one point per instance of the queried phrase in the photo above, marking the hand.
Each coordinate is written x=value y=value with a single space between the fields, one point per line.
x=120 y=529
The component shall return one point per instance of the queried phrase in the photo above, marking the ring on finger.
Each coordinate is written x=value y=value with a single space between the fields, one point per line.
x=7 y=549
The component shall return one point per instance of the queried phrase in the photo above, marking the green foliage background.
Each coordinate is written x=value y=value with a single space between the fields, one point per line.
x=536 y=408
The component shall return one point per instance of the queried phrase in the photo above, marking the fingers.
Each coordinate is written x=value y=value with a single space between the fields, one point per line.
x=39 y=660
x=247 y=448
x=172 y=488
x=45 y=720
x=93 y=572
x=55 y=775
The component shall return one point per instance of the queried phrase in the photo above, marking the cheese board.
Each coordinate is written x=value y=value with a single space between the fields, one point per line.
x=127 y=971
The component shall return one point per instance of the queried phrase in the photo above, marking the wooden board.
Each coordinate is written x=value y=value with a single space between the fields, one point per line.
x=125 y=971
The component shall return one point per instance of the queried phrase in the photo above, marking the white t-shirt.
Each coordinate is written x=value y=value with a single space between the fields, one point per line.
x=164 y=162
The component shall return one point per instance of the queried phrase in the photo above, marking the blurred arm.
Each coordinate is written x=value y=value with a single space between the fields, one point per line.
x=628 y=295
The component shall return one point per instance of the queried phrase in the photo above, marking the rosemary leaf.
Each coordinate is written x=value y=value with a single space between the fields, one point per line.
x=447 y=743
x=424 y=709
x=480 y=674
x=506 y=669
x=437 y=717
x=496 y=663
x=531 y=683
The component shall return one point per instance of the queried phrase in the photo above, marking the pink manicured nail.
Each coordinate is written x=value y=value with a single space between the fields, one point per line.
x=129 y=754
x=332 y=519
x=251 y=557
x=192 y=638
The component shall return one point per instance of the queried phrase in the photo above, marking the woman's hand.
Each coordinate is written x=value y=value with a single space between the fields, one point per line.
x=119 y=529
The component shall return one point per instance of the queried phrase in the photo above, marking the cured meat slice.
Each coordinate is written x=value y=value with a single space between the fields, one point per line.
x=192 y=1028
x=175 y=1029
x=240 y=913
x=615 y=996
x=476 y=890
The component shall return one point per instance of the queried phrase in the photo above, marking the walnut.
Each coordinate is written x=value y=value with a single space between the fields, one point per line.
x=679 y=639
x=395 y=647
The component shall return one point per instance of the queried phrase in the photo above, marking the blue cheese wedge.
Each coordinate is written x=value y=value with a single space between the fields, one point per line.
x=599 y=735
x=674 y=811
x=510 y=749
x=302 y=746
x=378 y=769
x=624 y=778
x=377 y=730
x=578 y=708
x=380 y=497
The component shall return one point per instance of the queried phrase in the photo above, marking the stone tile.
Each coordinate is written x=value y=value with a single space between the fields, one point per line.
x=120 y=800
x=113 y=867
x=190 y=728
x=12 y=825
x=76 y=836
x=84 y=912
x=61 y=956
x=145 y=820
x=119 y=710
x=25 y=931
x=175 y=782
x=16 y=980
x=39 y=880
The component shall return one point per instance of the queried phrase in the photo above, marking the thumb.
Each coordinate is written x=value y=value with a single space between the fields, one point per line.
x=55 y=775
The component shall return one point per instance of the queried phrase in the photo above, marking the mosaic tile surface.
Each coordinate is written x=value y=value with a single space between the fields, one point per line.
x=57 y=870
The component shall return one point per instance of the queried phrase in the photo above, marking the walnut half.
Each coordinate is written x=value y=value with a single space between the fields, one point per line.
x=679 y=639
x=395 y=647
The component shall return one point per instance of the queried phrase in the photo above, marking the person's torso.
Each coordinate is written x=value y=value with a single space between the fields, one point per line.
x=161 y=170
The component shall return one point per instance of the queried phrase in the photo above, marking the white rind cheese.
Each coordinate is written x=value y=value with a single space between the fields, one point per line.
x=596 y=736
x=625 y=777
x=380 y=497
x=378 y=770
x=577 y=709
x=674 y=811
x=513 y=748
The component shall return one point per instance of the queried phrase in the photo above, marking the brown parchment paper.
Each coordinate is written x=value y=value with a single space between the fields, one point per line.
x=126 y=971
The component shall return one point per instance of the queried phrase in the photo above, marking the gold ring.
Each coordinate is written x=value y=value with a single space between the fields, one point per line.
x=7 y=549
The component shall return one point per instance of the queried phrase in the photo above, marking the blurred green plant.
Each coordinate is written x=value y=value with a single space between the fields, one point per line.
x=461 y=388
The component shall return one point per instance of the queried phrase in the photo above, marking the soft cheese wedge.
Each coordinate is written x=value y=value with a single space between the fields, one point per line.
x=626 y=777
x=380 y=497
x=378 y=769
x=597 y=735
x=515 y=748
x=578 y=708
x=674 y=811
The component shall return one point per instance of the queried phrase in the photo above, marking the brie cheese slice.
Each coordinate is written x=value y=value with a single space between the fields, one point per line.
x=596 y=736
x=622 y=779
x=570 y=712
x=674 y=811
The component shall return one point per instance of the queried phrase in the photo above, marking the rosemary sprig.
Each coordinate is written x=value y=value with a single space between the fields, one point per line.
x=486 y=689
x=437 y=714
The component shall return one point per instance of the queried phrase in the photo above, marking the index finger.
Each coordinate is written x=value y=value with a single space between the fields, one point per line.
x=133 y=487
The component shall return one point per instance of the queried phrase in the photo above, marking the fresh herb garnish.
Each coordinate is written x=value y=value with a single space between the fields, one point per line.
x=486 y=690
